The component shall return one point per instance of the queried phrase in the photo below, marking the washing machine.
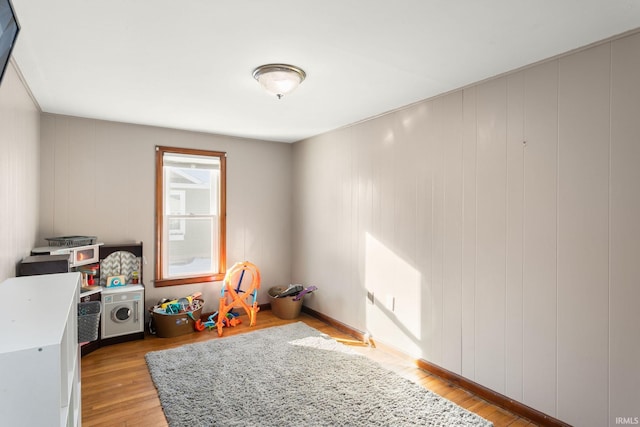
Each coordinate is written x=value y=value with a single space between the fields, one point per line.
x=122 y=311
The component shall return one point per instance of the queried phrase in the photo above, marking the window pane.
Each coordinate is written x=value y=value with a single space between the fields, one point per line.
x=176 y=202
x=192 y=191
x=196 y=251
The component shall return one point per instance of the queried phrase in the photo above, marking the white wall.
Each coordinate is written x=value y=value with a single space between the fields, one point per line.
x=498 y=228
x=19 y=172
x=98 y=178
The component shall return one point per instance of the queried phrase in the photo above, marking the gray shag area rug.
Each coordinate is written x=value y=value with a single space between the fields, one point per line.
x=290 y=375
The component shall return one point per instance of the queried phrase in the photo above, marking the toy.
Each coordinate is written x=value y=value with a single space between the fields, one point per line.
x=116 y=281
x=198 y=325
x=305 y=291
x=231 y=319
x=228 y=292
x=291 y=290
x=181 y=303
x=89 y=272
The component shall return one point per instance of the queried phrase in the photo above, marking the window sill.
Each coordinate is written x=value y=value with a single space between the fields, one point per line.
x=189 y=280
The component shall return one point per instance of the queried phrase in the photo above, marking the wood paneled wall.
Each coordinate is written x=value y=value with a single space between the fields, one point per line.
x=497 y=228
x=97 y=179
x=19 y=171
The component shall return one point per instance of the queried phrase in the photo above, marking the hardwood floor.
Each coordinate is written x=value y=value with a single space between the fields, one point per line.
x=117 y=389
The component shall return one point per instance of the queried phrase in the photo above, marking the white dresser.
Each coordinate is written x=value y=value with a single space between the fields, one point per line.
x=39 y=352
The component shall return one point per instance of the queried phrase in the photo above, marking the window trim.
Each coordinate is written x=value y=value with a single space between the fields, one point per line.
x=159 y=217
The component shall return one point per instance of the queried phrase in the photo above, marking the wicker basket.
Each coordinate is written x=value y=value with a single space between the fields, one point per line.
x=88 y=320
x=284 y=307
x=173 y=325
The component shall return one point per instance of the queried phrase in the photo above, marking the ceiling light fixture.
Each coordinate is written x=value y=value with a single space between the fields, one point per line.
x=279 y=79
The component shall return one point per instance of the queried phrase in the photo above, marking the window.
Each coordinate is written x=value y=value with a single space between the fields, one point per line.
x=177 y=207
x=190 y=216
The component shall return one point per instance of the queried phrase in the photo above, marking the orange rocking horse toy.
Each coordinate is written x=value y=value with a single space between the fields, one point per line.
x=238 y=295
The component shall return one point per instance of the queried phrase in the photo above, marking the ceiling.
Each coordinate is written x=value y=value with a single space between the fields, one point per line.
x=187 y=64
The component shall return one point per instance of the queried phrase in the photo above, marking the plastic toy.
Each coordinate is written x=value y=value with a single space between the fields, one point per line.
x=182 y=303
x=238 y=296
x=291 y=290
x=231 y=319
x=210 y=324
x=198 y=325
x=305 y=291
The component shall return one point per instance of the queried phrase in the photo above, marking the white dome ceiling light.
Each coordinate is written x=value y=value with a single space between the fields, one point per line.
x=279 y=79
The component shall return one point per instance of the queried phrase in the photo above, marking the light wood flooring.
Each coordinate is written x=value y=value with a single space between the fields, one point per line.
x=117 y=389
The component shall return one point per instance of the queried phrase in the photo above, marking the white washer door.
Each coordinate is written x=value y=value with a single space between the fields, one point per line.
x=121 y=313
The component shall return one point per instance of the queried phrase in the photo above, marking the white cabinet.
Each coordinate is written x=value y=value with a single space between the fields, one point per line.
x=39 y=352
